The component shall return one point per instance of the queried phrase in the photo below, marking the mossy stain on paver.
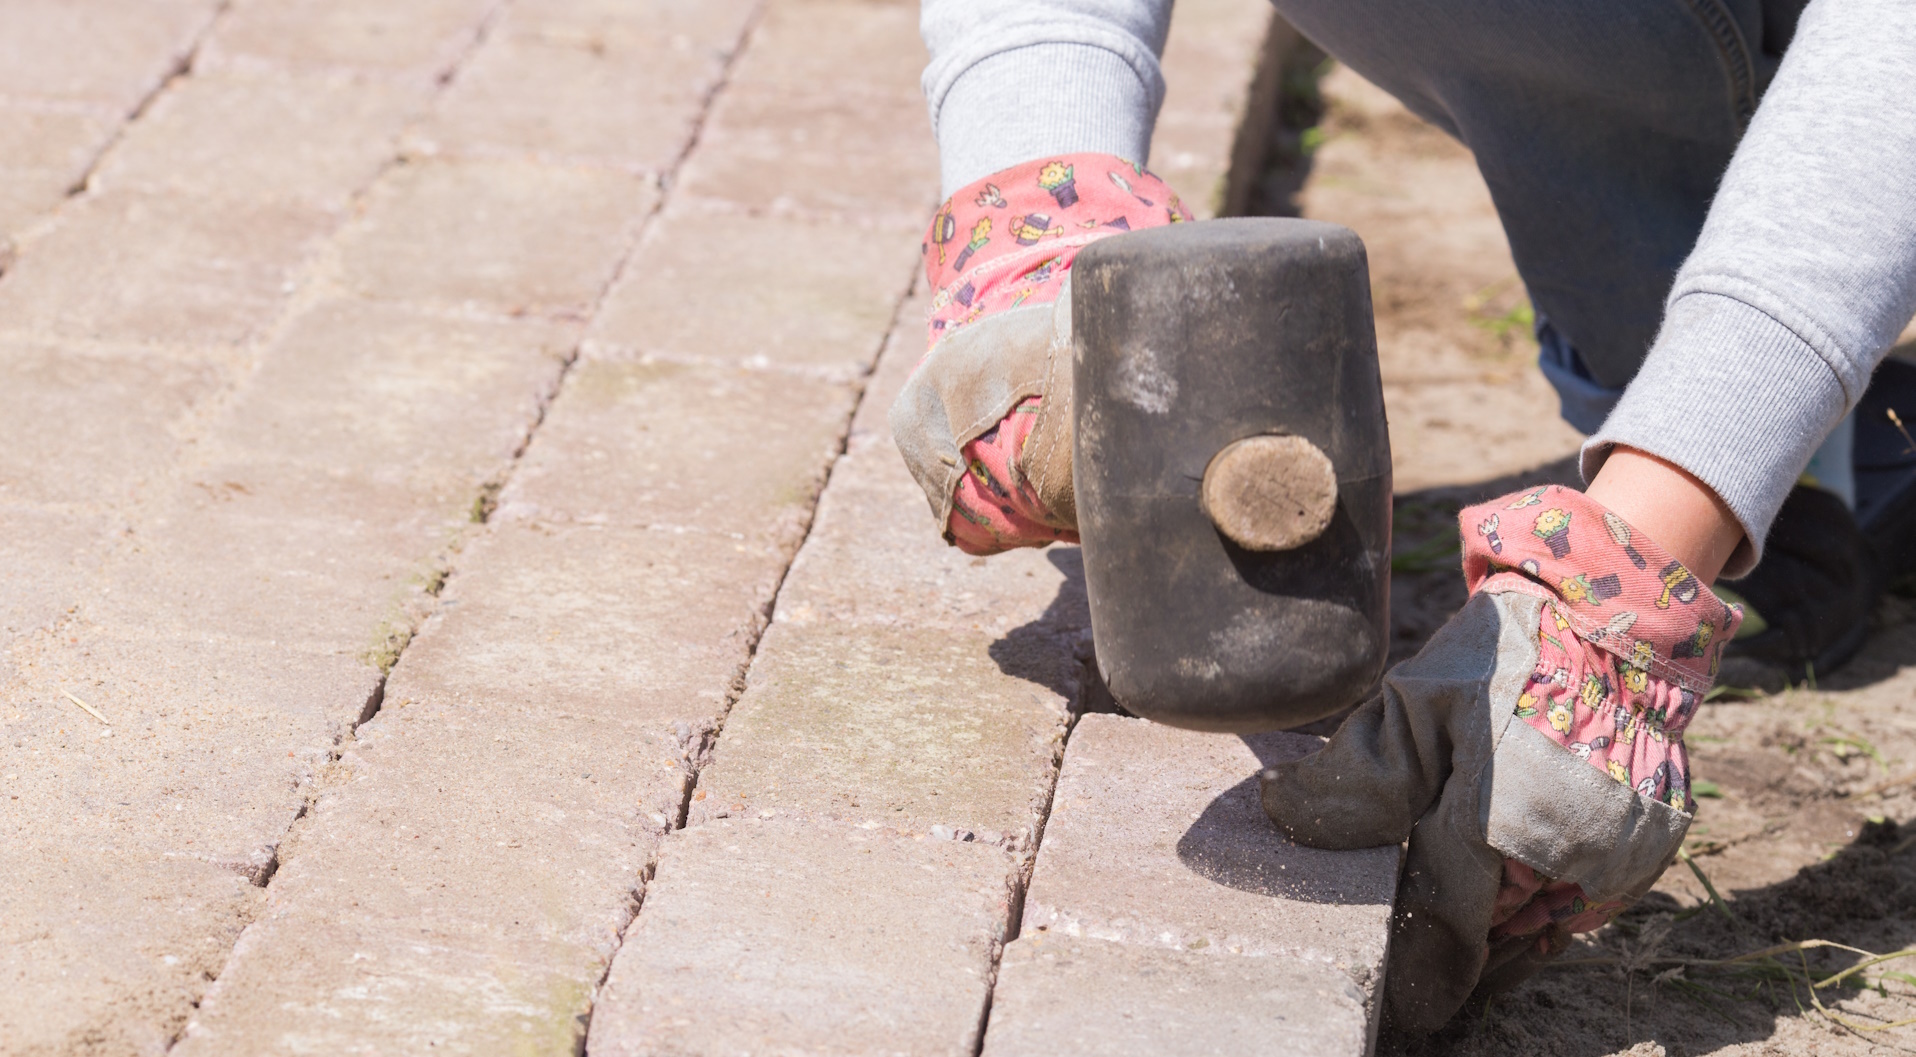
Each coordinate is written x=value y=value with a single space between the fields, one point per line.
x=606 y=384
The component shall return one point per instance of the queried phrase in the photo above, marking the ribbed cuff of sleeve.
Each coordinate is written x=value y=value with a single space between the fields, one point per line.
x=1734 y=397
x=1053 y=98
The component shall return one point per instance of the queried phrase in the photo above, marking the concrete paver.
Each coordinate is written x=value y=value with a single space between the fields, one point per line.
x=49 y=555
x=464 y=885
x=622 y=85
x=798 y=128
x=900 y=728
x=173 y=813
x=122 y=991
x=207 y=745
x=860 y=721
x=131 y=267
x=677 y=447
x=904 y=691
x=313 y=138
x=125 y=48
x=1213 y=117
x=593 y=620
x=1157 y=841
x=419 y=40
x=515 y=236
x=763 y=937
x=45 y=151
x=185 y=520
x=771 y=148
x=1202 y=867
x=56 y=400
x=862 y=48
x=818 y=291
x=1068 y=997
x=905 y=573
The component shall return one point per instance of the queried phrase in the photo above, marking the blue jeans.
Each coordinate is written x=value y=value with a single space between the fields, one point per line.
x=1601 y=128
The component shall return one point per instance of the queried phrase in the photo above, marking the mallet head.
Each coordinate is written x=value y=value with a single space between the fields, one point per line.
x=1232 y=471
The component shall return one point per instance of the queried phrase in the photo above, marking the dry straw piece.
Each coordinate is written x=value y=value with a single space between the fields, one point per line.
x=90 y=710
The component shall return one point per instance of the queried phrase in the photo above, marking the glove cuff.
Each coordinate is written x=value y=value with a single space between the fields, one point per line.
x=1007 y=239
x=1616 y=587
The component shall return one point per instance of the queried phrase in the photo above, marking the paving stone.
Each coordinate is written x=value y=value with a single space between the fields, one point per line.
x=858 y=47
x=435 y=404
x=672 y=446
x=209 y=747
x=462 y=885
x=269 y=551
x=26 y=199
x=624 y=85
x=515 y=235
x=45 y=151
x=1063 y=997
x=148 y=949
x=48 y=555
x=613 y=623
x=894 y=727
x=718 y=286
x=316 y=138
x=110 y=52
x=1157 y=838
x=822 y=115
x=874 y=555
x=766 y=938
x=851 y=158
x=1213 y=50
x=176 y=269
x=420 y=38
x=89 y=430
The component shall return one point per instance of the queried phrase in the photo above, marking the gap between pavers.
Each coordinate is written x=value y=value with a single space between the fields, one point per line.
x=1158 y=860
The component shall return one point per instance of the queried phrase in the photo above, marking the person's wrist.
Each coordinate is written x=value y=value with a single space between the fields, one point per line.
x=1671 y=506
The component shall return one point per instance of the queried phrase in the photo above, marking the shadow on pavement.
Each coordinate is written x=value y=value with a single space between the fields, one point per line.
x=1048 y=650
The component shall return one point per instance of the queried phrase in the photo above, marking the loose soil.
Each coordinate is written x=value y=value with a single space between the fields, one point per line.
x=1807 y=826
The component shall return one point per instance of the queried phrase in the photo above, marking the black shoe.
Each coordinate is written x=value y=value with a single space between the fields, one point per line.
x=1885 y=460
x=1815 y=589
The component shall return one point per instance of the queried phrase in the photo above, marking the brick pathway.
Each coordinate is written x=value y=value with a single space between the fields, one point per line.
x=413 y=413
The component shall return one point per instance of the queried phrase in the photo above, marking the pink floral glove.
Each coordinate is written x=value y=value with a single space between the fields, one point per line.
x=1532 y=754
x=985 y=421
x=1617 y=694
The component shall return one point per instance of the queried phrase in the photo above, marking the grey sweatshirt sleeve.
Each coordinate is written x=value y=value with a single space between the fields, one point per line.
x=1010 y=80
x=1803 y=277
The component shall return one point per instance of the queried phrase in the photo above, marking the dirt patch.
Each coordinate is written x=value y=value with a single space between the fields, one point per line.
x=1807 y=823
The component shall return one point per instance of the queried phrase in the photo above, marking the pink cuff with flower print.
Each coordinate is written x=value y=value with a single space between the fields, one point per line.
x=1629 y=639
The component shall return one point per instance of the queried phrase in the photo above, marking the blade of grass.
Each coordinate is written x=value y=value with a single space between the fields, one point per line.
x=1704 y=879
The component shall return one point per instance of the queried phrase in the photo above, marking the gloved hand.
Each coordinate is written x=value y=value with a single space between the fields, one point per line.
x=984 y=422
x=1532 y=753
